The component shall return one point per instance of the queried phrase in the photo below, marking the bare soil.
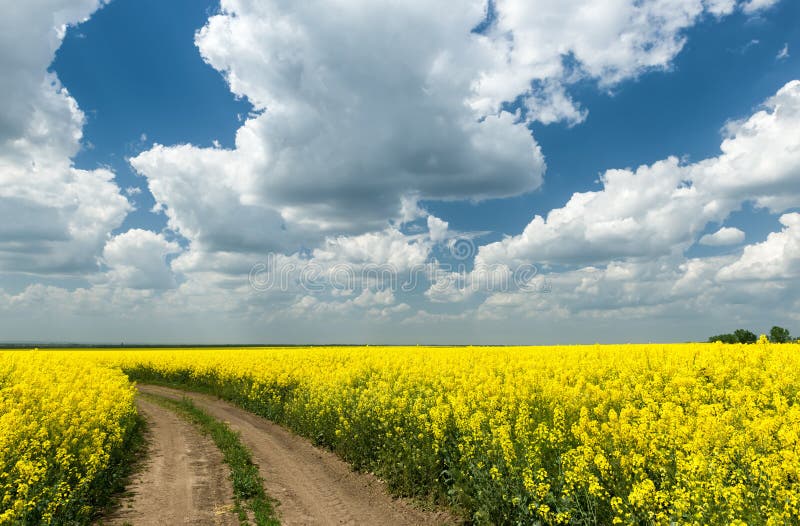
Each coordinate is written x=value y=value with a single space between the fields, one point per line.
x=312 y=485
x=183 y=480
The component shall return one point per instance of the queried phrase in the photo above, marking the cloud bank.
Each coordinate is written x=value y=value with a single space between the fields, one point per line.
x=362 y=111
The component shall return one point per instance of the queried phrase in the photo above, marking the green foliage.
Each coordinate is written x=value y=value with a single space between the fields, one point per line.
x=745 y=336
x=724 y=338
x=779 y=335
x=776 y=335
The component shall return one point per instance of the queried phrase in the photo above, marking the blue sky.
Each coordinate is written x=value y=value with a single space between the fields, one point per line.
x=134 y=70
x=718 y=76
x=347 y=163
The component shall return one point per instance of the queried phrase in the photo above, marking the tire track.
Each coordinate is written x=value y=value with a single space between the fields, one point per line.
x=184 y=480
x=313 y=486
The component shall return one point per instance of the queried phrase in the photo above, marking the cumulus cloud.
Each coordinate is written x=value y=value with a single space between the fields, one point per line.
x=369 y=298
x=355 y=119
x=352 y=127
x=437 y=228
x=660 y=209
x=546 y=40
x=723 y=237
x=29 y=37
x=752 y=6
x=551 y=103
x=760 y=158
x=389 y=247
x=646 y=212
x=620 y=250
x=776 y=258
x=370 y=305
x=55 y=218
x=708 y=291
x=137 y=260
x=450 y=287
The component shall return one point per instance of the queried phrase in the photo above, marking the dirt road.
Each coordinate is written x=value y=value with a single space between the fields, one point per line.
x=313 y=486
x=183 y=480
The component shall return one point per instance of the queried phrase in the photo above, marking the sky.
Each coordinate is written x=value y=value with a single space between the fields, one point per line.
x=507 y=172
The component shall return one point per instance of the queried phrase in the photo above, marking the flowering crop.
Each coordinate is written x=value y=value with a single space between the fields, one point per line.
x=61 y=424
x=628 y=434
x=614 y=434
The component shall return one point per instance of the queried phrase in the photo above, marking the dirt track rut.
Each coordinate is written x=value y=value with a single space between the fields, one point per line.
x=183 y=480
x=313 y=486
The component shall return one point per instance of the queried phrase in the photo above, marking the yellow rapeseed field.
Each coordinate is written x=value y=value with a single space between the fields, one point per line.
x=62 y=421
x=603 y=434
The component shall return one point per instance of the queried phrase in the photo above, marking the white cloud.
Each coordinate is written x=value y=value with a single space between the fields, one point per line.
x=354 y=128
x=783 y=53
x=450 y=287
x=55 y=218
x=437 y=228
x=720 y=7
x=760 y=158
x=389 y=247
x=551 y=103
x=137 y=260
x=667 y=298
x=647 y=212
x=776 y=258
x=340 y=266
x=752 y=6
x=358 y=118
x=370 y=305
x=410 y=209
x=636 y=288
x=563 y=40
x=706 y=292
x=369 y=298
x=723 y=237
x=660 y=209
x=30 y=34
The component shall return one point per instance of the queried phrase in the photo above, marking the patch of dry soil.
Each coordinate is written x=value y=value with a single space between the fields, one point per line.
x=183 y=479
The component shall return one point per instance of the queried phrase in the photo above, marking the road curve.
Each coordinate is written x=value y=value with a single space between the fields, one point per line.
x=183 y=480
x=313 y=486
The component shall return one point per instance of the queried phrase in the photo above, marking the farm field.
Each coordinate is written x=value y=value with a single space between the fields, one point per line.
x=64 y=424
x=604 y=434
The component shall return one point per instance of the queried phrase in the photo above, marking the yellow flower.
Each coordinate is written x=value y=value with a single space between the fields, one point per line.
x=614 y=434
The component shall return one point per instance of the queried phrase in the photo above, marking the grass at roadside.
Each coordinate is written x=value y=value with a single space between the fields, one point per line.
x=248 y=489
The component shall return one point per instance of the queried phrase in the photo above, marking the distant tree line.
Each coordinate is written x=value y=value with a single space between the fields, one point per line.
x=776 y=335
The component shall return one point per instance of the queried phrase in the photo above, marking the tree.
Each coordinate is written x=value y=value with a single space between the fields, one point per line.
x=745 y=336
x=724 y=338
x=779 y=335
x=738 y=336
